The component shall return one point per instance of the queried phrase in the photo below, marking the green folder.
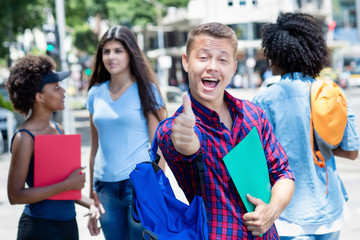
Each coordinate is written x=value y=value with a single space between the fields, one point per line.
x=248 y=169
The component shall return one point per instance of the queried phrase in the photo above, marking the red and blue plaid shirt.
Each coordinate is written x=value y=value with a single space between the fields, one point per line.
x=223 y=204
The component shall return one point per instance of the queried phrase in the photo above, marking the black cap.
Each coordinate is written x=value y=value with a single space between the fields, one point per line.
x=53 y=77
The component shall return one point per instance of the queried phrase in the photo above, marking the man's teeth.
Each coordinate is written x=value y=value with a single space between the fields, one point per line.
x=210 y=79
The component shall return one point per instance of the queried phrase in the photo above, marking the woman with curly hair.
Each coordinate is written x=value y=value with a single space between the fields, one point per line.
x=34 y=91
x=297 y=51
x=125 y=108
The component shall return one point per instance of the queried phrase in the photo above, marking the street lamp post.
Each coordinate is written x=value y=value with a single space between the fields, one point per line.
x=160 y=36
x=60 y=17
x=357 y=6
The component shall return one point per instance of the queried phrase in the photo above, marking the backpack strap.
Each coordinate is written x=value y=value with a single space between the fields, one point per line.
x=199 y=170
x=199 y=177
x=318 y=158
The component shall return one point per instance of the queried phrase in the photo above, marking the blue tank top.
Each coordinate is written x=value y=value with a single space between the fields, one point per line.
x=49 y=209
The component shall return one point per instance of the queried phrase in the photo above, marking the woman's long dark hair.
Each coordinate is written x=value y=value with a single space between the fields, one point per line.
x=139 y=67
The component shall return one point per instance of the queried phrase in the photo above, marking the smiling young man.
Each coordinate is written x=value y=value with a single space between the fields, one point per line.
x=211 y=122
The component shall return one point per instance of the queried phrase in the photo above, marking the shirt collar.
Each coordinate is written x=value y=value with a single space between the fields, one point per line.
x=207 y=115
x=296 y=76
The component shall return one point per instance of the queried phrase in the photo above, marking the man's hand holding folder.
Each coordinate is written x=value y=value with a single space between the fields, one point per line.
x=247 y=166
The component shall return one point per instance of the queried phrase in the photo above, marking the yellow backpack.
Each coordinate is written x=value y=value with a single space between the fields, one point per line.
x=328 y=119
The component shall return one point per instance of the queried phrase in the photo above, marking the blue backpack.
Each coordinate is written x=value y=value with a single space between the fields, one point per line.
x=157 y=208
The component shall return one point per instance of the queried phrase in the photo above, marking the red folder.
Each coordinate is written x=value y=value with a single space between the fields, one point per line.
x=55 y=157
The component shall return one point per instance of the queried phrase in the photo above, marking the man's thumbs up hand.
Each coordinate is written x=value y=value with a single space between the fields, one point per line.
x=187 y=108
x=183 y=135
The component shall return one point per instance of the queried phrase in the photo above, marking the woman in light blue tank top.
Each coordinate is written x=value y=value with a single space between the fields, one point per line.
x=125 y=108
x=34 y=91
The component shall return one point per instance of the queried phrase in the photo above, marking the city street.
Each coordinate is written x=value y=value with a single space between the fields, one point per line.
x=349 y=172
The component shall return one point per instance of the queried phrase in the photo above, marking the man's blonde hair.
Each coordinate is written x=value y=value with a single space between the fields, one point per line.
x=213 y=29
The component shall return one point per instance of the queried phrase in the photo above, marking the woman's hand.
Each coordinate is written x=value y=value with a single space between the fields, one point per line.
x=96 y=209
x=93 y=227
x=76 y=180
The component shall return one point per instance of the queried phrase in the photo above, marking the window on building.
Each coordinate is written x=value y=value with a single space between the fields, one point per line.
x=240 y=30
x=230 y=3
x=175 y=39
x=242 y=3
x=257 y=29
x=152 y=43
x=255 y=2
x=345 y=14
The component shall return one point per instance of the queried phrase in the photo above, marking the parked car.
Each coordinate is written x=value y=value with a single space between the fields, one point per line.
x=351 y=72
x=173 y=97
x=1 y=143
x=5 y=115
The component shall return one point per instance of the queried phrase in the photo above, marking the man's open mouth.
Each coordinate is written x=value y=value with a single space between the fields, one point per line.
x=209 y=82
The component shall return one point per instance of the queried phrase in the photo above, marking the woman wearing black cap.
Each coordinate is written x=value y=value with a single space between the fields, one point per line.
x=34 y=91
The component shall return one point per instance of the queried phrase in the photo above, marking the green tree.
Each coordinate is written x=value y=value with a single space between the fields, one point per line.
x=16 y=16
x=125 y=12
x=132 y=12
x=84 y=39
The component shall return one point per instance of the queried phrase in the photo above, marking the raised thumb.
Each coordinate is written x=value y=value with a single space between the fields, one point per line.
x=187 y=105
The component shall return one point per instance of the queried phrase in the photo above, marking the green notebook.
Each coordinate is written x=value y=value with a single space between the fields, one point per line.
x=247 y=166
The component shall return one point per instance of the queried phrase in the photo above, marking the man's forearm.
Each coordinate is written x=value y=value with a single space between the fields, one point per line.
x=281 y=195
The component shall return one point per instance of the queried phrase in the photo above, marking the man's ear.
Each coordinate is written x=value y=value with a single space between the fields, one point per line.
x=185 y=62
x=235 y=67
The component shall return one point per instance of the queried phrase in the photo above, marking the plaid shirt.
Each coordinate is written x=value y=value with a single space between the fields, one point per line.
x=223 y=204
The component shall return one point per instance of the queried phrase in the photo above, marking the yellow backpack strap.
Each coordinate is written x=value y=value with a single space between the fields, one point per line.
x=318 y=158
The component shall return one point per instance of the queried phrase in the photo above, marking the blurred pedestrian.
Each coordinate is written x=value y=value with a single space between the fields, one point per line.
x=34 y=91
x=211 y=122
x=296 y=49
x=125 y=108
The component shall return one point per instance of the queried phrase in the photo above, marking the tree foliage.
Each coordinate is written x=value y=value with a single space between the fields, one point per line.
x=84 y=39
x=76 y=13
x=18 y=15
x=137 y=12
x=124 y=12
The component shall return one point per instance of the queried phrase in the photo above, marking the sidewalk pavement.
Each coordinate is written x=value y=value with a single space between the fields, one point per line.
x=349 y=172
x=10 y=214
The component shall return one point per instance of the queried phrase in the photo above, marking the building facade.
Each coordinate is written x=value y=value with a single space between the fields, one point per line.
x=246 y=17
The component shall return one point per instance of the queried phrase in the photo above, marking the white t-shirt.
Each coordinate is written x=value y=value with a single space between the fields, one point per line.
x=286 y=228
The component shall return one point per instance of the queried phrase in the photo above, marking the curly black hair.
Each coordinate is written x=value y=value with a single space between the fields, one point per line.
x=295 y=43
x=24 y=80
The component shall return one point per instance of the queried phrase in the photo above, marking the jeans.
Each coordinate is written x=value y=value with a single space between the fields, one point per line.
x=117 y=222
x=328 y=236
